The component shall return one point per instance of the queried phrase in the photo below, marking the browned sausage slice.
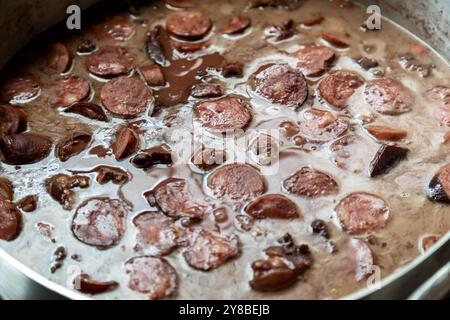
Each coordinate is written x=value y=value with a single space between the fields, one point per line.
x=237 y=24
x=72 y=145
x=333 y=40
x=148 y=158
x=207 y=159
x=12 y=120
x=310 y=183
x=24 y=148
x=188 y=25
x=314 y=60
x=157 y=234
x=84 y=283
x=386 y=133
x=362 y=258
x=88 y=110
x=208 y=250
x=237 y=181
x=224 y=114
x=119 y=28
x=386 y=158
x=59 y=58
x=6 y=190
x=69 y=91
x=154 y=277
x=206 y=90
x=19 y=89
x=388 y=96
x=28 y=203
x=100 y=222
x=320 y=126
x=10 y=220
x=111 y=62
x=439 y=186
x=60 y=186
x=126 y=97
x=338 y=86
x=126 y=143
x=362 y=212
x=272 y=206
x=153 y=75
x=440 y=98
x=280 y=84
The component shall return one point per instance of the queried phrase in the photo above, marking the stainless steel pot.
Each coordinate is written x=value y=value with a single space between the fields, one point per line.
x=429 y=20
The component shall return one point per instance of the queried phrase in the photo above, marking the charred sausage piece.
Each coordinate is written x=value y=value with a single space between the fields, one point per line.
x=188 y=25
x=12 y=120
x=320 y=126
x=237 y=24
x=206 y=90
x=100 y=222
x=157 y=234
x=154 y=277
x=338 y=86
x=310 y=183
x=440 y=98
x=126 y=143
x=439 y=187
x=28 y=203
x=272 y=206
x=72 y=145
x=236 y=181
x=69 y=91
x=314 y=60
x=277 y=33
x=106 y=174
x=207 y=159
x=126 y=97
x=88 y=110
x=148 y=158
x=59 y=58
x=153 y=75
x=10 y=220
x=388 y=96
x=362 y=212
x=280 y=84
x=24 y=148
x=85 y=284
x=386 y=133
x=174 y=198
x=352 y=153
x=208 y=250
x=119 y=28
x=362 y=258
x=6 y=190
x=111 y=62
x=282 y=267
x=387 y=157
x=60 y=187
x=224 y=114
x=334 y=41
x=19 y=89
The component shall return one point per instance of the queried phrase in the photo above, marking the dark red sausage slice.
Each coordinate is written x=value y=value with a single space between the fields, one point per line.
x=361 y=256
x=88 y=110
x=320 y=126
x=237 y=181
x=12 y=120
x=119 y=28
x=280 y=84
x=310 y=183
x=386 y=133
x=24 y=148
x=59 y=58
x=126 y=97
x=188 y=25
x=224 y=114
x=313 y=21
x=235 y=25
x=173 y=196
x=208 y=250
x=60 y=186
x=439 y=186
x=386 y=158
x=272 y=206
x=10 y=221
x=188 y=47
x=338 y=86
x=84 y=283
x=127 y=142
x=206 y=90
x=153 y=75
x=148 y=158
x=157 y=234
x=19 y=89
x=440 y=98
x=154 y=277
x=72 y=145
x=352 y=153
x=28 y=203
x=334 y=41
x=69 y=91
x=388 y=96
x=362 y=212
x=106 y=174
x=6 y=190
x=111 y=62
x=100 y=222
x=314 y=60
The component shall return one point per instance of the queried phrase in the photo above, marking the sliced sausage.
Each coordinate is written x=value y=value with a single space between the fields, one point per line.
x=440 y=98
x=208 y=250
x=338 y=86
x=439 y=187
x=119 y=28
x=174 y=198
x=237 y=181
x=28 y=203
x=233 y=69
x=148 y=158
x=428 y=241
x=69 y=91
x=237 y=24
x=207 y=159
x=188 y=47
x=100 y=222
x=111 y=62
x=310 y=183
x=86 y=47
x=20 y=89
x=264 y=149
x=313 y=21
x=366 y=63
x=224 y=114
x=314 y=60
x=386 y=133
x=72 y=145
x=12 y=120
x=362 y=212
x=126 y=143
x=280 y=84
x=106 y=174
x=320 y=126
x=387 y=157
x=153 y=75
x=334 y=41
x=6 y=190
x=88 y=110
x=84 y=283
x=362 y=258
x=59 y=58
x=272 y=206
x=154 y=277
x=352 y=153
x=10 y=220
x=24 y=148
x=126 y=97
x=206 y=90
x=60 y=186
x=388 y=96
x=157 y=234
x=188 y=25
